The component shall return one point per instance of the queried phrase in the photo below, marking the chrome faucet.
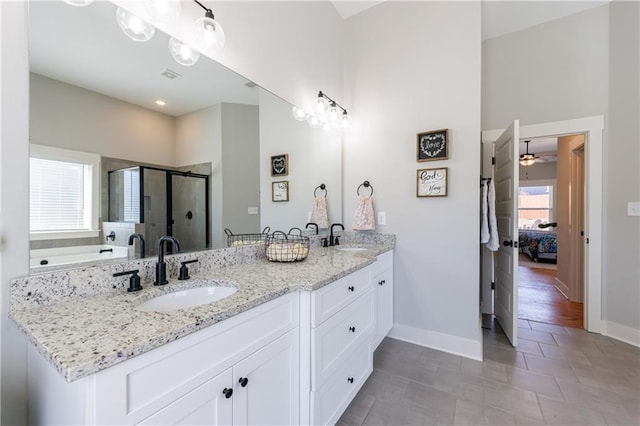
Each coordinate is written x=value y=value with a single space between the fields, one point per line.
x=161 y=266
x=334 y=241
x=140 y=243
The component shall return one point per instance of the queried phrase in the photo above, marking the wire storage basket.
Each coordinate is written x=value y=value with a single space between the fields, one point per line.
x=281 y=247
x=236 y=240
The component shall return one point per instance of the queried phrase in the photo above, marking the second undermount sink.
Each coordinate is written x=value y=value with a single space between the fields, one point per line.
x=341 y=248
x=187 y=298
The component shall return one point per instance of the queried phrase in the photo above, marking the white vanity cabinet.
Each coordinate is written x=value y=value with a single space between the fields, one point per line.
x=382 y=278
x=197 y=379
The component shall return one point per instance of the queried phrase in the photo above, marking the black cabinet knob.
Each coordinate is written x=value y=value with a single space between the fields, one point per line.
x=350 y=380
x=243 y=381
x=351 y=288
x=227 y=392
x=352 y=329
x=382 y=282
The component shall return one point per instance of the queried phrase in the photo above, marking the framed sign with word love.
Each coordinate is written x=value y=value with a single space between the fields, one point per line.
x=433 y=145
x=280 y=165
x=432 y=182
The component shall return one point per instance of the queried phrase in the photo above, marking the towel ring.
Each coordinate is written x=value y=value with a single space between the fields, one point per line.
x=323 y=187
x=366 y=184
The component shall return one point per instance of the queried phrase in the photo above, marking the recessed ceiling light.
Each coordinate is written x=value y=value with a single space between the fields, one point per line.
x=160 y=102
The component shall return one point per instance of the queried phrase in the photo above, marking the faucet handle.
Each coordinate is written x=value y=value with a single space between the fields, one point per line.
x=134 y=280
x=325 y=242
x=184 y=271
x=336 y=240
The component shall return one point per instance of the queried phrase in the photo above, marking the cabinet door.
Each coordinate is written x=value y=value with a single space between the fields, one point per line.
x=384 y=287
x=205 y=405
x=266 y=384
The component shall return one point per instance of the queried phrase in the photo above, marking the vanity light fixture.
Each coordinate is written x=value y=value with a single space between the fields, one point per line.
x=328 y=114
x=78 y=3
x=183 y=53
x=208 y=32
x=527 y=159
x=163 y=10
x=133 y=26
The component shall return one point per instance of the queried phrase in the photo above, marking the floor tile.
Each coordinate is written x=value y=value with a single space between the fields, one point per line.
x=488 y=369
x=504 y=356
x=529 y=347
x=512 y=400
x=554 y=367
x=550 y=328
x=384 y=386
x=536 y=336
x=523 y=323
x=471 y=413
x=569 y=413
x=358 y=409
x=438 y=405
x=396 y=414
x=541 y=384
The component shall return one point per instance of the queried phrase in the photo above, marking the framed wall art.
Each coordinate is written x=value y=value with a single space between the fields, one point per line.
x=432 y=182
x=280 y=191
x=280 y=165
x=432 y=145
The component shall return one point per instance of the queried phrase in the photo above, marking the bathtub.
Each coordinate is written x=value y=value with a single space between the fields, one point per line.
x=42 y=259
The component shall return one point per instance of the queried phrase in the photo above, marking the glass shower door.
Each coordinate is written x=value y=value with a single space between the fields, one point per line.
x=189 y=211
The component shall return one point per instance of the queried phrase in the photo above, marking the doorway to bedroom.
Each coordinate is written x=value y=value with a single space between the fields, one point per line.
x=551 y=223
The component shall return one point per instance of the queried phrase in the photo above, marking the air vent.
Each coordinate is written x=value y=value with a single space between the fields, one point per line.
x=170 y=74
x=250 y=84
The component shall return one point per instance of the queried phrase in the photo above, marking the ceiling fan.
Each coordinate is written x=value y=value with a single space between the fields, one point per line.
x=527 y=159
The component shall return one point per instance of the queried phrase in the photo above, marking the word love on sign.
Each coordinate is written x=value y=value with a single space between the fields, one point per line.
x=432 y=182
x=280 y=165
x=433 y=145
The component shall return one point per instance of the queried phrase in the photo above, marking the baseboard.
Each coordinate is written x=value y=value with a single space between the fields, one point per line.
x=623 y=333
x=562 y=288
x=443 y=342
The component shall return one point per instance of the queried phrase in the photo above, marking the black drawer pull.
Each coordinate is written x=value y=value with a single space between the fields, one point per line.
x=227 y=392
x=350 y=380
x=352 y=329
x=351 y=288
x=243 y=381
x=382 y=282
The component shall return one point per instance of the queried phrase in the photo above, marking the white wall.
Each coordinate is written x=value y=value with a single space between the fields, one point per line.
x=539 y=171
x=14 y=201
x=67 y=116
x=412 y=67
x=315 y=157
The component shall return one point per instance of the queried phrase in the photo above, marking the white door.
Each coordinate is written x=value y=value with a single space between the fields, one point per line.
x=506 y=259
x=266 y=390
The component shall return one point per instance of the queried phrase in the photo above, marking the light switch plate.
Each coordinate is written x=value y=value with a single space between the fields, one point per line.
x=382 y=218
x=633 y=208
x=252 y=210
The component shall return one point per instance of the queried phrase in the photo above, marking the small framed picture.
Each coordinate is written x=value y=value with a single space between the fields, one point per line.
x=280 y=165
x=432 y=182
x=433 y=145
x=280 y=191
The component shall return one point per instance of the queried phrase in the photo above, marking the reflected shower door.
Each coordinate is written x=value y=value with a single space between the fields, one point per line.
x=155 y=207
x=189 y=211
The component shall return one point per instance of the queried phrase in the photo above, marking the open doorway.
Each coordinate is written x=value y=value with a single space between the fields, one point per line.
x=551 y=207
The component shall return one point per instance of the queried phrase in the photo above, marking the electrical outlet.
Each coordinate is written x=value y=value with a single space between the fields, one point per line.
x=382 y=218
x=633 y=208
x=308 y=216
x=252 y=210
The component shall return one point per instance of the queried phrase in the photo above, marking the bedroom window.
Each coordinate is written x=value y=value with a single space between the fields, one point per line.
x=535 y=206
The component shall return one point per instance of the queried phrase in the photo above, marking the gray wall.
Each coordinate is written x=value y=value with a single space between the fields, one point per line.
x=539 y=171
x=578 y=66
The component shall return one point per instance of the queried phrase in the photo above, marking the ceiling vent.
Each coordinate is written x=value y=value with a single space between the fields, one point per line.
x=169 y=74
x=250 y=84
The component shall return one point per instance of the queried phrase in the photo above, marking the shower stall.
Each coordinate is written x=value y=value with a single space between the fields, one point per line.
x=166 y=202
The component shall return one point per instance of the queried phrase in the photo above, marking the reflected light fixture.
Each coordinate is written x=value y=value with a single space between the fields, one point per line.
x=133 y=26
x=78 y=3
x=183 y=53
x=299 y=114
x=527 y=159
x=163 y=10
x=208 y=32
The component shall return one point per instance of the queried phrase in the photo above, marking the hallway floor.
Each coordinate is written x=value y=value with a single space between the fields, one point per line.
x=557 y=376
x=540 y=300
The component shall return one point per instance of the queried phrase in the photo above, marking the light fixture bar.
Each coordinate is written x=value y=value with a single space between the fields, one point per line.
x=321 y=94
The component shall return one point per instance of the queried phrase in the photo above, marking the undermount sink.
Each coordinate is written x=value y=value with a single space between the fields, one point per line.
x=188 y=298
x=340 y=248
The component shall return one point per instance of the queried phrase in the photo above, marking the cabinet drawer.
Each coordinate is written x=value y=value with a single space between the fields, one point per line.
x=330 y=299
x=330 y=401
x=336 y=338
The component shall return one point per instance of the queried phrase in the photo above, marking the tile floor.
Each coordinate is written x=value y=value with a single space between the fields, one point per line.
x=556 y=375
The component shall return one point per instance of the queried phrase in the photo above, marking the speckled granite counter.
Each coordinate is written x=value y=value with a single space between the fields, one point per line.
x=83 y=334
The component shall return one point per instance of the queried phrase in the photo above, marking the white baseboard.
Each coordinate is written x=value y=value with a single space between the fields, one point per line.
x=443 y=342
x=623 y=333
x=562 y=288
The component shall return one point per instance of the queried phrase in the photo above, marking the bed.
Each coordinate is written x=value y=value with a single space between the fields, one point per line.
x=539 y=245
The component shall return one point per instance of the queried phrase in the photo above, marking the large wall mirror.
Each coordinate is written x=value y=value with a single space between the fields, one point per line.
x=192 y=167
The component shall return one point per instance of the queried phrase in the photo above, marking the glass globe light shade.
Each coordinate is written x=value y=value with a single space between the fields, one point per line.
x=208 y=32
x=183 y=53
x=334 y=113
x=163 y=10
x=321 y=105
x=314 y=122
x=299 y=114
x=134 y=27
x=326 y=126
x=78 y=3
x=345 y=120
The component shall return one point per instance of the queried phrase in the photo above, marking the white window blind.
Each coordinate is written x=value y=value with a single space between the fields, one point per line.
x=132 y=195
x=58 y=195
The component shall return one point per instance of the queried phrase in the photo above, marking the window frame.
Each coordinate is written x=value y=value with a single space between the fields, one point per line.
x=92 y=199
x=541 y=182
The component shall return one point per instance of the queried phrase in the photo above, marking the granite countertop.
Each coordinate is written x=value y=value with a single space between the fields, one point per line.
x=82 y=336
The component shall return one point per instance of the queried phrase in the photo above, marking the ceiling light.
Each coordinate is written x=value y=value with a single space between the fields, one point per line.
x=208 y=32
x=160 y=102
x=133 y=26
x=183 y=53
x=163 y=10
x=78 y=3
x=527 y=159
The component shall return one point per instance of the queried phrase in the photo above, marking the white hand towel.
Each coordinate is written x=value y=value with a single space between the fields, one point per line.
x=494 y=242
x=364 y=219
x=320 y=212
x=484 y=226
